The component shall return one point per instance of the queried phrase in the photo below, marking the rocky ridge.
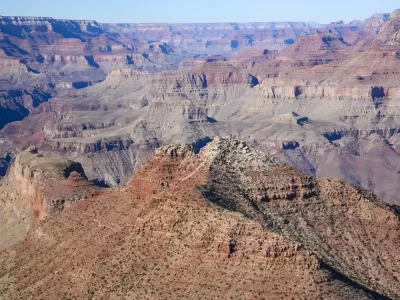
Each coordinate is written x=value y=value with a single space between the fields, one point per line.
x=390 y=31
x=37 y=188
x=217 y=214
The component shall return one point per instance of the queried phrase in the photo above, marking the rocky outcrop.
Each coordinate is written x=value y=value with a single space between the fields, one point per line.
x=390 y=30
x=329 y=92
x=37 y=188
x=374 y=24
x=185 y=213
x=275 y=195
x=317 y=49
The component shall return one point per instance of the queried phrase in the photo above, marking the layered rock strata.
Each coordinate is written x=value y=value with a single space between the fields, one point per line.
x=38 y=188
x=245 y=225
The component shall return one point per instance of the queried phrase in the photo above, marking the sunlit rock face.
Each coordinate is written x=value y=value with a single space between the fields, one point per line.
x=218 y=214
x=322 y=98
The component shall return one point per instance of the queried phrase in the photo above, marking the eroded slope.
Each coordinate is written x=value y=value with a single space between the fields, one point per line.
x=37 y=188
x=168 y=234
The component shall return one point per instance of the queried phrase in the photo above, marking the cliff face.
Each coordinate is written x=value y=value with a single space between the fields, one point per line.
x=320 y=48
x=341 y=78
x=348 y=104
x=216 y=38
x=216 y=214
x=43 y=24
x=141 y=111
x=390 y=30
x=41 y=57
x=306 y=210
x=37 y=188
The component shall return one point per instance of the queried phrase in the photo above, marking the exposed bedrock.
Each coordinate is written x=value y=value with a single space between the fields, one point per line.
x=37 y=188
x=218 y=214
x=317 y=127
x=325 y=105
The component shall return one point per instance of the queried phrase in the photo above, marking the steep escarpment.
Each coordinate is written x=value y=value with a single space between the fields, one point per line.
x=326 y=104
x=37 y=188
x=16 y=104
x=114 y=126
x=115 y=133
x=147 y=238
x=317 y=49
x=41 y=57
x=216 y=38
x=390 y=32
x=330 y=217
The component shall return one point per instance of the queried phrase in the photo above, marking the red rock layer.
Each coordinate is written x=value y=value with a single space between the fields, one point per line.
x=162 y=237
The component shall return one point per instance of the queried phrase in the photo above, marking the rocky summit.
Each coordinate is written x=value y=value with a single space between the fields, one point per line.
x=229 y=221
x=265 y=159
x=37 y=188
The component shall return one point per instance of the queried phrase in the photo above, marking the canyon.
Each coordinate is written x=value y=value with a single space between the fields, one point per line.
x=316 y=104
x=265 y=159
